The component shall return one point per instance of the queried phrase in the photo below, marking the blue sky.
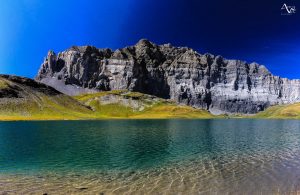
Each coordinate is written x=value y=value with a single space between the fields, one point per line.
x=246 y=30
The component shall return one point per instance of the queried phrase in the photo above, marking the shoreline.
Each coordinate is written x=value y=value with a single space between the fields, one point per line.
x=137 y=118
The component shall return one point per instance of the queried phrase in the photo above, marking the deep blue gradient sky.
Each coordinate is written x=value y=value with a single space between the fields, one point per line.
x=248 y=30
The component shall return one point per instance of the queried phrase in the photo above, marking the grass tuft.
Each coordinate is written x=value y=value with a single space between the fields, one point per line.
x=3 y=84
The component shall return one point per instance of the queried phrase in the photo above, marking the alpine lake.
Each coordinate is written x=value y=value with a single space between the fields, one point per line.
x=175 y=156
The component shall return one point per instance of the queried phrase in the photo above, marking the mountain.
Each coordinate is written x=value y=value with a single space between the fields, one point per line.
x=177 y=73
x=23 y=98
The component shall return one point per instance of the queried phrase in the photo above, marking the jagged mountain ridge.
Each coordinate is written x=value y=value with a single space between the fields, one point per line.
x=178 y=73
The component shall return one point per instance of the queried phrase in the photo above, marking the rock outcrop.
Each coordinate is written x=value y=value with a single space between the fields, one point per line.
x=178 y=73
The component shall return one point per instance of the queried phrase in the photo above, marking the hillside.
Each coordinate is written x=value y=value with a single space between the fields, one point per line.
x=126 y=104
x=290 y=111
x=25 y=99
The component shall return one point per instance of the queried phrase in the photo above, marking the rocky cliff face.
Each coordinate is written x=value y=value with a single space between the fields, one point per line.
x=178 y=73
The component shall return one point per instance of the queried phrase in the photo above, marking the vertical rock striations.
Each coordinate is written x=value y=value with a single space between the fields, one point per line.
x=179 y=73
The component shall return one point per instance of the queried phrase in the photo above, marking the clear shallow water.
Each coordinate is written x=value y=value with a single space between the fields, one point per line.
x=150 y=156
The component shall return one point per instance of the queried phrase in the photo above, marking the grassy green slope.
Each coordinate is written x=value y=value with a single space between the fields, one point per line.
x=21 y=101
x=153 y=108
x=290 y=111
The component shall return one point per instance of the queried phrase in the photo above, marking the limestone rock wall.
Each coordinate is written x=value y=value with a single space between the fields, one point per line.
x=178 y=73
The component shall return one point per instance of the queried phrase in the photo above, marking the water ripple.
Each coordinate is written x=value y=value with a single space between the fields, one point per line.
x=150 y=157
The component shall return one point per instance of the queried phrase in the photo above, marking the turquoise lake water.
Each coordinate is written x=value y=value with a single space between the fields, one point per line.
x=150 y=156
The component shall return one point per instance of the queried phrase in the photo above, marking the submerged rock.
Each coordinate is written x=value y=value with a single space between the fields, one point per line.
x=178 y=73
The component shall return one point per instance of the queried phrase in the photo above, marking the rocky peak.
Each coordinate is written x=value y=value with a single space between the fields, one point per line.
x=144 y=43
x=178 y=73
x=51 y=53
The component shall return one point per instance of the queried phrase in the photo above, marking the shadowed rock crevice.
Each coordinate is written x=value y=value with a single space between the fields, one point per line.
x=178 y=73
